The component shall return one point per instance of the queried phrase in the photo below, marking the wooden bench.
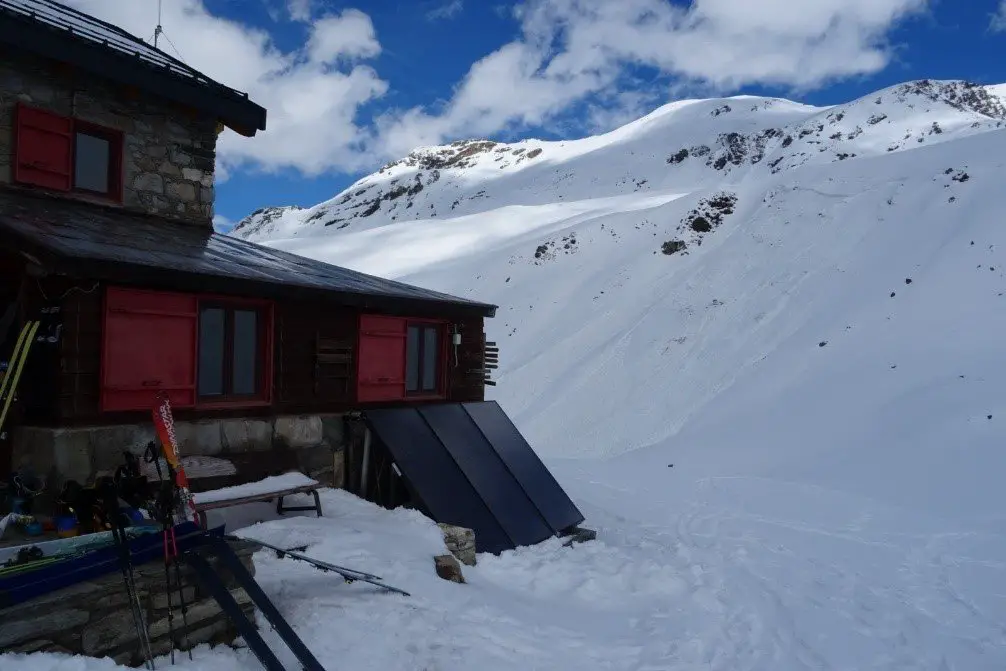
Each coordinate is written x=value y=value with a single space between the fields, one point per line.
x=259 y=491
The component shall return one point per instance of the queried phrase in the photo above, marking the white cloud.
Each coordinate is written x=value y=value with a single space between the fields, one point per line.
x=571 y=51
x=300 y=10
x=448 y=10
x=311 y=105
x=570 y=54
x=999 y=18
x=222 y=224
x=625 y=107
x=347 y=35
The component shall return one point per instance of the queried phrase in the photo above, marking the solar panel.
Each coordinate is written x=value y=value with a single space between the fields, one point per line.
x=434 y=478
x=495 y=484
x=542 y=488
x=467 y=464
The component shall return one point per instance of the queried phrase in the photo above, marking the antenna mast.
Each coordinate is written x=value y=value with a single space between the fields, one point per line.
x=158 y=30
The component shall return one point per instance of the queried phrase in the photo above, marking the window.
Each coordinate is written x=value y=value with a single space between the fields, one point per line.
x=399 y=358
x=65 y=154
x=422 y=359
x=230 y=355
x=92 y=162
x=202 y=351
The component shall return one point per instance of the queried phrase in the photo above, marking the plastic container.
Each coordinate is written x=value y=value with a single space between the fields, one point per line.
x=66 y=526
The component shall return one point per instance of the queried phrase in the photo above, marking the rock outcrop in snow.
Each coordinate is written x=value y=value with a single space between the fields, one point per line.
x=726 y=139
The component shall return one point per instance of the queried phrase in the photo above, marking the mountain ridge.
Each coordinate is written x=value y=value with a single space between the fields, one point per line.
x=738 y=132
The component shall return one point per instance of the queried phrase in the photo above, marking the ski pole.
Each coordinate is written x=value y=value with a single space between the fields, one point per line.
x=126 y=565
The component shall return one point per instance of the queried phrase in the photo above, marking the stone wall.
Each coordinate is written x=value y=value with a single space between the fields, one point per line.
x=312 y=444
x=168 y=155
x=94 y=618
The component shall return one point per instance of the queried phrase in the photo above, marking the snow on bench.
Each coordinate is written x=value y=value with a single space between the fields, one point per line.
x=273 y=487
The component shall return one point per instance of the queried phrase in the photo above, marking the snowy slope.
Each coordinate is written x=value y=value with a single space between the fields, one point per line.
x=681 y=147
x=598 y=328
x=789 y=434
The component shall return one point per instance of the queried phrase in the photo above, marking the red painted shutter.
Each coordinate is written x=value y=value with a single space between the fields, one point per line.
x=381 y=374
x=149 y=345
x=43 y=149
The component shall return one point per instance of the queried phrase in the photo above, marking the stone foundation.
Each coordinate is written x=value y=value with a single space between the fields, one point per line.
x=94 y=618
x=312 y=444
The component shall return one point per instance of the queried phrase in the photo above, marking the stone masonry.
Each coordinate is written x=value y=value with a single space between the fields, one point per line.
x=312 y=444
x=168 y=154
x=460 y=541
x=94 y=618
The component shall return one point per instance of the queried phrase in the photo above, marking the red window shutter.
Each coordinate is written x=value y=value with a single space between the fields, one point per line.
x=149 y=345
x=43 y=149
x=381 y=373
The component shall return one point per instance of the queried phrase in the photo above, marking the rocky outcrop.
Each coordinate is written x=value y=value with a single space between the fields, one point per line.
x=448 y=568
x=460 y=541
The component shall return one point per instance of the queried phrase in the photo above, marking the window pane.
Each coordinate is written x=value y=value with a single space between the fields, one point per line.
x=245 y=351
x=91 y=166
x=412 y=359
x=431 y=356
x=211 y=352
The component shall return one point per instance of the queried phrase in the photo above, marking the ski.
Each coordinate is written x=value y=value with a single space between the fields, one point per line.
x=349 y=575
x=12 y=362
x=219 y=547
x=211 y=581
x=280 y=552
x=164 y=425
x=164 y=506
x=8 y=386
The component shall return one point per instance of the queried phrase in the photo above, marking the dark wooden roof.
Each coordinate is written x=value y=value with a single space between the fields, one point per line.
x=52 y=30
x=94 y=242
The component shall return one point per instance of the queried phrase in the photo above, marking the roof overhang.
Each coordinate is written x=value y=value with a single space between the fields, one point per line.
x=234 y=109
x=87 y=242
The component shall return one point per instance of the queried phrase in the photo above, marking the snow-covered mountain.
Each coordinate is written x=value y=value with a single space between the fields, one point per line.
x=643 y=272
x=682 y=147
x=782 y=328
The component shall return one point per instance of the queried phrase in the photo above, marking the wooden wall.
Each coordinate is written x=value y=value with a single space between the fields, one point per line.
x=465 y=379
x=69 y=313
x=300 y=382
x=63 y=387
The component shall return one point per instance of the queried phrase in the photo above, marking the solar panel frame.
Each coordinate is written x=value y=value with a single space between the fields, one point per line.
x=432 y=475
x=485 y=470
x=524 y=463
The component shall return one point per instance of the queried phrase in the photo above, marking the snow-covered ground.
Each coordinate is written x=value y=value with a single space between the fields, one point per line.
x=720 y=573
x=790 y=436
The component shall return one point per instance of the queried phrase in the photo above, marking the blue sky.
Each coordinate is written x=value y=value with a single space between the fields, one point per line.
x=352 y=85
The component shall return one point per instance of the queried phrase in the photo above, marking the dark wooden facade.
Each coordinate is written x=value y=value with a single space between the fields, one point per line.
x=61 y=386
x=117 y=280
